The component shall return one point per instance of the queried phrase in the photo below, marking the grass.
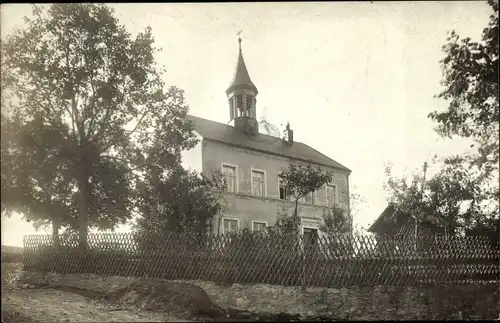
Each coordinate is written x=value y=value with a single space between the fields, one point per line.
x=12 y=254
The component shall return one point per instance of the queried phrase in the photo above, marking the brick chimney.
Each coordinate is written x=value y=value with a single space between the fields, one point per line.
x=288 y=134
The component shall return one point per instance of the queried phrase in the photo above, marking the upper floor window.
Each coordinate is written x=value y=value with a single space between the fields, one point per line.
x=258 y=183
x=229 y=173
x=331 y=195
x=309 y=198
x=283 y=195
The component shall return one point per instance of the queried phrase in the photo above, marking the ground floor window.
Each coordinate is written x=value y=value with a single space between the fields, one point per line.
x=230 y=225
x=259 y=226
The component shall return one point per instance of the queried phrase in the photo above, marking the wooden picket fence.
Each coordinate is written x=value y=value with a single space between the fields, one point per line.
x=290 y=260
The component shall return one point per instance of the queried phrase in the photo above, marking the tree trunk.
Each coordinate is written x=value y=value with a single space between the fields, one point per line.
x=56 y=225
x=218 y=224
x=83 y=218
x=295 y=214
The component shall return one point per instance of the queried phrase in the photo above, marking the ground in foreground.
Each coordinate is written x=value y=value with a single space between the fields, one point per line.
x=51 y=305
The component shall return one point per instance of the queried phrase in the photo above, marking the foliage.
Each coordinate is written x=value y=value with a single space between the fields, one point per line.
x=451 y=198
x=359 y=230
x=356 y=201
x=76 y=69
x=177 y=201
x=285 y=221
x=10 y=199
x=302 y=180
x=38 y=184
x=464 y=193
x=470 y=80
x=335 y=221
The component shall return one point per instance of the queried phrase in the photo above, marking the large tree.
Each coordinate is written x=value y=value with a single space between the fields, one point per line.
x=470 y=81
x=74 y=64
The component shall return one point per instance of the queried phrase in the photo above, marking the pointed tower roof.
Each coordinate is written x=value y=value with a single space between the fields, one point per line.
x=241 y=78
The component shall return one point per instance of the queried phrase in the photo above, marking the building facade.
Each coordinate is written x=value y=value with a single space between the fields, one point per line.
x=251 y=162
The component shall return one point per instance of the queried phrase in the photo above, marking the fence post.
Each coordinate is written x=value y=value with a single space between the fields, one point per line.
x=303 y=261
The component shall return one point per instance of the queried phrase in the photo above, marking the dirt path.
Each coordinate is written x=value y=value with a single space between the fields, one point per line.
x=50 y=305
x=57 y=306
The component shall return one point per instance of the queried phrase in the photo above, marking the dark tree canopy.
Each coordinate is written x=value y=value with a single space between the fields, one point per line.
x=177 y=201
x=77 y=71
x=35 y=182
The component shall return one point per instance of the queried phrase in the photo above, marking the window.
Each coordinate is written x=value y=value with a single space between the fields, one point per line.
x=309 y=198
x=239 y=102
x=244 y=106
x=258 y=183
x=282 y=189
x=229 y=173
x=250 y=104
x=230 y=225
x=231 y=109
x=234 y=107
x=331 y=195
x=259 y=226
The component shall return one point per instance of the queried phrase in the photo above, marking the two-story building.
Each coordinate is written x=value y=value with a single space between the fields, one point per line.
x=251 y=162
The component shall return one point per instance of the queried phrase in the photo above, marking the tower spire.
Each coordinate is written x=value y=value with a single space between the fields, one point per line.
x=241 y=96
x=241 y=78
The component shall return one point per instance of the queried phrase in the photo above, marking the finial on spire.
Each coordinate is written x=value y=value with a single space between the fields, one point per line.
x=239 y=37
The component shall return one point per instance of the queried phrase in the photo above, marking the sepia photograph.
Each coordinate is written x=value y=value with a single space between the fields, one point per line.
x=250 y=161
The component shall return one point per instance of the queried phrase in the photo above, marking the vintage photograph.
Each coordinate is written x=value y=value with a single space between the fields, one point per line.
x=250 y=161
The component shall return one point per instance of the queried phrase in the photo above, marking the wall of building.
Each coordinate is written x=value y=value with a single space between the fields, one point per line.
x=246 y=207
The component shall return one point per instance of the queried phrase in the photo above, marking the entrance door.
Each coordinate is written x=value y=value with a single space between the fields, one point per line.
x=310 y=237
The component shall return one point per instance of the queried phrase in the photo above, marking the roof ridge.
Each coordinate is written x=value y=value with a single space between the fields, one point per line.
x=217 y=131
x=229 y=126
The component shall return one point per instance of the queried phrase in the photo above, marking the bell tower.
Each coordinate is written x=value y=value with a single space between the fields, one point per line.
x=241 y=96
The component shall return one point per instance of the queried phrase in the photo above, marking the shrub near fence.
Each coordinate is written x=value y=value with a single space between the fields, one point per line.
x=274 y=259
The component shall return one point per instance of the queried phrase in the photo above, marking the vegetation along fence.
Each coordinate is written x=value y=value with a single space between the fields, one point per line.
x=273 y=259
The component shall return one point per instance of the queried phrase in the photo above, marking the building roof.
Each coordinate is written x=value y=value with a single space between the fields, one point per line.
x=382 y=218
x=241 y=78
x=392 y=216
x=229 y=135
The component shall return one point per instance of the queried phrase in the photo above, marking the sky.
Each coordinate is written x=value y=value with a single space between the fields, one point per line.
x=356 y=80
